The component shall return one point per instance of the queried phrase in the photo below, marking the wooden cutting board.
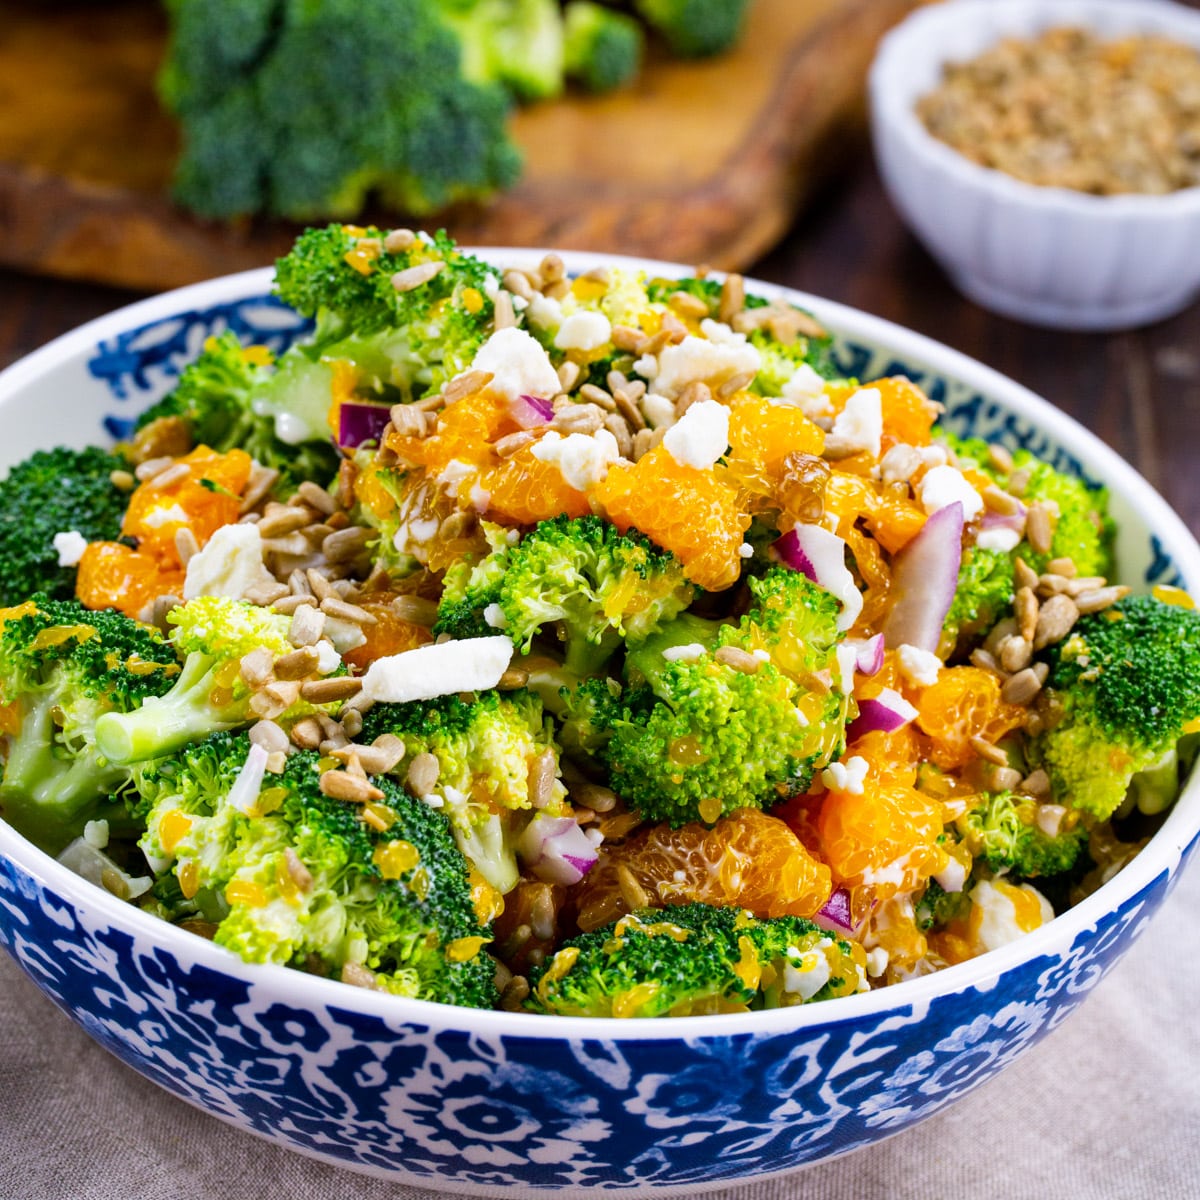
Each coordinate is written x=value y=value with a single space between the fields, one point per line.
x=696 y=162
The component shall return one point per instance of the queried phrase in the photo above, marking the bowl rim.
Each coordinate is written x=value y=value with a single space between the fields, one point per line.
x=918 y=37
x=1163 y=854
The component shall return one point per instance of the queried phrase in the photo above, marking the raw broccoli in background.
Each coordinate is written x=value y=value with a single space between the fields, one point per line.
x=1122 y=689
x=209 y=694
x=602 y=49
x=62 y=668
x=301 y=108
x=692 y=960
x=484 y=748
x=717 y=716
x=605 y=587
x=289 y=874
x=517 y=44
x=51 y=492
x=219 y=397
x=695 y=28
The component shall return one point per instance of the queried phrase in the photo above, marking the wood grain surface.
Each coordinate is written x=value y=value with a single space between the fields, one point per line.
x=700 y=161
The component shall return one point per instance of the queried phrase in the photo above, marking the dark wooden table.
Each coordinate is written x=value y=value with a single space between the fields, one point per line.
x=1140 y=391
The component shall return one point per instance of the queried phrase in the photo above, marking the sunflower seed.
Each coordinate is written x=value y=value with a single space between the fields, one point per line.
x=329 y=691
x=415 y=277
x=1055 y=620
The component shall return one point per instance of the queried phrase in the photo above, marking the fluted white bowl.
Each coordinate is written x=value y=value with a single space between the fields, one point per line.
x=1045 y=255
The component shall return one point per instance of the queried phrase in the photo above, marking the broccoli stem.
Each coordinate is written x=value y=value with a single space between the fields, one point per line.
x=44 y=796
x=166 y=723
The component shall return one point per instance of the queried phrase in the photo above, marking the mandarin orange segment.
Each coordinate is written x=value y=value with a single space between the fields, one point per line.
x=203 y=501
x=964 y=703
x=695 y=514
x=390 y=634
x=892 y=757
x=112 y=575
x=523 y=490
x=748 y=859
x=465 y=431
x=884 y=839
x=762 y=434
x=894 y=520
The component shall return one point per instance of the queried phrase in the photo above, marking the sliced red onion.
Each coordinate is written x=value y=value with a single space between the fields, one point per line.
x=884 y=713
x=995 y=520
x=244 y=793
x=835 y=915
x=868 y=654
x=556 y=850
x=360 y=422
x=531 y=412
x=924 y=579
x=821 y=556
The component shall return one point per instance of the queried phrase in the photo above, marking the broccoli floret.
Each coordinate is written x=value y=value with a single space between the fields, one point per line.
x=719 y=717
x=1002 y=830
x=515 y=43
x=54 y=491
x=218 y=398
x=695 y=28
x=1082 y=529
x=289 y=874
x=602 y=49
x=210 y=694
x=937 y=907
x=781 y=360
x=1120 y=691
x=485 y=748
x=589 y=713
x=604 y=586
x=694 y=959
x=61 y=669
x=301 y=109
x=408 y=342
x=983 y=595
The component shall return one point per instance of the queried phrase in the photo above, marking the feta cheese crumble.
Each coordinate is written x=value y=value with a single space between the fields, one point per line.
x=846 y=776
x=806 y=390
x=700 y=436
x=919 y=667
x=231 y=565
x=518 y=364
x=697 y=360
x=70 y=545
x=657 y=410
x=687 y=653
x=859 y=426
x=584 y=330
x=438 y=670
x=493 y=614
x=942 y=486
x=582 y=459
x=998 y=539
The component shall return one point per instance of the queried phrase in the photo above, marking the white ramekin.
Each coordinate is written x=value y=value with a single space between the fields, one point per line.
x=1045 y=255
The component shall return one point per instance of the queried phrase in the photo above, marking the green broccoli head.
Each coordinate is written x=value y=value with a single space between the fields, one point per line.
x=938 y=907
x=604 y=586
x=719 y=717
x=62 y=669
x=270 y=122
x=695 y=28
x=602 y=48
x=515 y=43
x=983 y=596
x=51 y=492
x=219 y=397
x=694 y=960
x=485 y=749
x=590 y=711
x=1121 y=690
x=1082 y=528
x=214 y=634
x=1002 y=830
x=292 y=876
x=408 y=341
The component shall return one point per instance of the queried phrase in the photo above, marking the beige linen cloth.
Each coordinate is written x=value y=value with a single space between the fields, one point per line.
x=1107 y=1107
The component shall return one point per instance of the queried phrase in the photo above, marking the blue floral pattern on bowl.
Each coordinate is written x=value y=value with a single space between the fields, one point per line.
x=449 y=1106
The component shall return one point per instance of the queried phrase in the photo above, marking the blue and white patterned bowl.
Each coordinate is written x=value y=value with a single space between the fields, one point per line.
x=498 y=1103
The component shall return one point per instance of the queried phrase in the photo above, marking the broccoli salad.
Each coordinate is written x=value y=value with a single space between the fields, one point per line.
x=575 y=645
